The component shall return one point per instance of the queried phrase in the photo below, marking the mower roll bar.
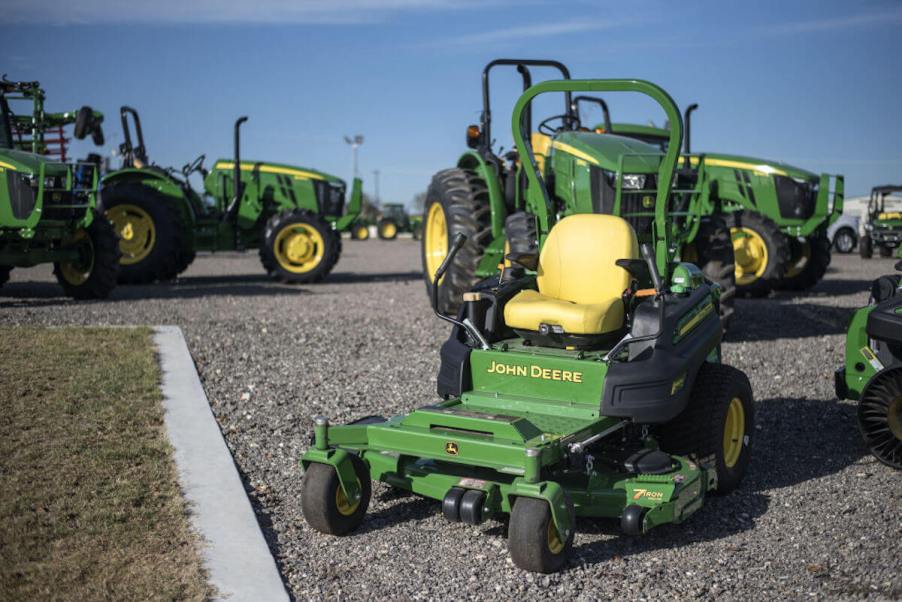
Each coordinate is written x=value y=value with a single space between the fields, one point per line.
x=129 y=152
x=537 y=200
x=522 y=65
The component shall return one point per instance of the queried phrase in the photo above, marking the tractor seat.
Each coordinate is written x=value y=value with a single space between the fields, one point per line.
x=580 y=285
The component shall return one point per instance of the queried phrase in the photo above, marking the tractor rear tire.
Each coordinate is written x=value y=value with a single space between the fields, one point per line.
x=387 y=229
x=151 y=233
x=532 y=540
x=760 y=250
x=95 y=277
x=4 y=273
x=457 y=201
x=299 y=247
x=323 y=502
x=813 y=270
x=186 y=258
x=716 y=427
x=865 y=247
x=520 y=230
x=714 y=249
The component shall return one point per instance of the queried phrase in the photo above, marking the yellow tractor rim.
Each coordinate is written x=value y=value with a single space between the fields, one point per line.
x=77 y=274
x=363 y=232
x=799 y=263
x=733 y=432
x=299 y=248
x=555 y=543
x=751 y=255
x=389 y=230
x=435 y=240
x=137 y=234
x=344 y=507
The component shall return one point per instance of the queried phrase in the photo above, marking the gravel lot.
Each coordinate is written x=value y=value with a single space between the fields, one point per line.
x=815 y=516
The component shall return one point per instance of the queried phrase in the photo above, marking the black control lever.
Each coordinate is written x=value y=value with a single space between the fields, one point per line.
x=649 y=257
x=456 y=244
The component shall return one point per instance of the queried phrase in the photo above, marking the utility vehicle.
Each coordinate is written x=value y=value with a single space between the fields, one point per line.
x=293 y=215
x=47 y=211
x=872 y=372
x=881 y=227
x=583 y=381
x=778 y=214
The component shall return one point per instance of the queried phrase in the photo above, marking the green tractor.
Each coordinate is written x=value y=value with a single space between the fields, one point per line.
x=872 y=372
x=293 y=215
x=395 y=220
x=586 y=172
x=47 y=208
x=778 y=214
x=585 y=381
x=882 y=225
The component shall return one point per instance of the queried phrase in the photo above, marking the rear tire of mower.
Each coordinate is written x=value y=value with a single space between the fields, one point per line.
x=714 y=248
x=775 y=245
x=275 y=258
x=463 y=198
x=702 y=431
x=99 y=280
x=814 y=269
x=865 y=247
x=531 y=536
x=320 y=495
x=161 y=261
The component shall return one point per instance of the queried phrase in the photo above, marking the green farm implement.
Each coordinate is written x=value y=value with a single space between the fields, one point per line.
x=778 y=214
x=47 y=207
x=872 y=372
x=583 y=381
x=882 y=225
x=293 y=215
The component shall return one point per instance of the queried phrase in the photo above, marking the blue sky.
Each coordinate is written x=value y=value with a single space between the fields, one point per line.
x=816 y=84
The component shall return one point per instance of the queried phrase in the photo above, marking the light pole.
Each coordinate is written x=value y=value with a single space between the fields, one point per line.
x=376 y=180
x=355 y=143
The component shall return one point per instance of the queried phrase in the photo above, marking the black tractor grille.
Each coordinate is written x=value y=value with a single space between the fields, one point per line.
x=796 y=200
x=22 y=197
x=330 y=198
x=636 y=206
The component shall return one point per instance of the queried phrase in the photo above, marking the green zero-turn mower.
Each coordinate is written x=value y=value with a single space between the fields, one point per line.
x=293 y=215
x=872 y=373
x=585 y=171
x=881 y=227
x=778 y=214
x=395 y=220
x=585 y=381
x=47 y=210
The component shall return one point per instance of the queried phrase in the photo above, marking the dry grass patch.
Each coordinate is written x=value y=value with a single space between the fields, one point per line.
x=90 y=507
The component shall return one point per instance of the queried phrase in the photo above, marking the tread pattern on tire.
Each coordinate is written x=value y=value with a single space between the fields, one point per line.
x=105 y=271
x=778 y=252
x=714 y=247
x=527 y=536
x=331 y=240
x=814 y=270
x=318 y=497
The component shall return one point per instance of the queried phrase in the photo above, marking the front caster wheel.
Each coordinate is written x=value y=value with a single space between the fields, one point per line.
x=534 y=542
x=325 y=506
x=631 y=520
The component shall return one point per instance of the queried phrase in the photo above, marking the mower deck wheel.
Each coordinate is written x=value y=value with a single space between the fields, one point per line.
x=534 y=542
x=324 y=504
x=631 y=519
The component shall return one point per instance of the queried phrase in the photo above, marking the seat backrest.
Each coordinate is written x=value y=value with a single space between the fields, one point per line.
x=577 y=263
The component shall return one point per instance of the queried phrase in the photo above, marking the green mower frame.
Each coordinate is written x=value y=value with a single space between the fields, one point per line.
x=881 y=229
x=547 y=426
x=293 y=215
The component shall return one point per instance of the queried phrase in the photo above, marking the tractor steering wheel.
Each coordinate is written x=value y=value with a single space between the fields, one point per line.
x=197 y=164
x=568 y=122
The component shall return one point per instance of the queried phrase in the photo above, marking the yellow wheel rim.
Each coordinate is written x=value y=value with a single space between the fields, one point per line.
x=299 y=248
x=77 y=274
x=363 y=233
x=344 y=507
x=799 y=263
x=555 y=543
x=733 y=433
x=751 y=255
x=137 y=233
x=435 y=240
x=389 y=230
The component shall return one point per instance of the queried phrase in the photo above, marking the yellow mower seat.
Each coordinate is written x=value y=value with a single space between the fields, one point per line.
x=580 y=285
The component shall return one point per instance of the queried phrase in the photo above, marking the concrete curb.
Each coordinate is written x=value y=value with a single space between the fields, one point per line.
x=236 y=555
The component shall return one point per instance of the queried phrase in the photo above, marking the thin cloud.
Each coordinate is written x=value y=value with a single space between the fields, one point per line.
x=524 y=32
x=886 y=17
x=169 y=12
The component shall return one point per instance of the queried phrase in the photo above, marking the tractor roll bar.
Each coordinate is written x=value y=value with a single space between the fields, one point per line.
x=687 y=120
x=521 y=64
x=537 y=199
x=129 y=152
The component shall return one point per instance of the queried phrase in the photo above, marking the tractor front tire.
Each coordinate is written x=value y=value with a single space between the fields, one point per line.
x=94 y=275
x=714 y=248
x=457 y=201
x=716 y=427
x=360 y=232
x=533 y=541
x=815 y=251
x=760 y=250
x=299 y=247
x=151 y=233
x=387 y=229
x=866 y=247
x=323 y=501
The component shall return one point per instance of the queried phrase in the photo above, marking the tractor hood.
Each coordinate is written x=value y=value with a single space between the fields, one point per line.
x=29 y=163
x=605 y=151
x=759 y=166
x=300 y=173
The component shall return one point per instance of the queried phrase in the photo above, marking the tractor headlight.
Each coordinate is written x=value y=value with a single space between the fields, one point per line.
x=632 y=181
